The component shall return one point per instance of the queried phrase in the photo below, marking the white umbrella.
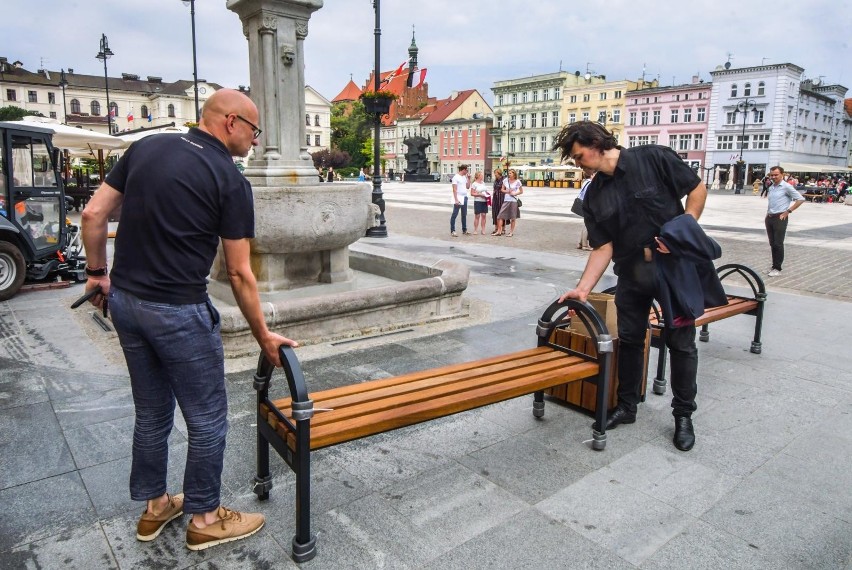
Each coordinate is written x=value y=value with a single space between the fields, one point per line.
x=76 y=140
x=130 y=138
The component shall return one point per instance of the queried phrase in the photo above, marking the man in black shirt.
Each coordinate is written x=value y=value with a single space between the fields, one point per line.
x=635 y=192
x=180 y=193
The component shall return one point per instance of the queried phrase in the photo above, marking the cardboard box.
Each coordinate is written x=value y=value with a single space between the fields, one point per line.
x=604 y=304
x=583 y=393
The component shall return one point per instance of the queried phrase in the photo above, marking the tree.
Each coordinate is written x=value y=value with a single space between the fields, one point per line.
x=350 y=127
x=331 y=157
x=12 y=113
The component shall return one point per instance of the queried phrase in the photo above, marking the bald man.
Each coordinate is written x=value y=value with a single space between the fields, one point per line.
x=180 y=193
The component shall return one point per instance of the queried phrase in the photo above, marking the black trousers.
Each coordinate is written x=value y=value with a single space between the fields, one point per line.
x=634 y=296
x=776 y=229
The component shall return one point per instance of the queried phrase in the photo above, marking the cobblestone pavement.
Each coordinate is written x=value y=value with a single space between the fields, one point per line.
x=818 y=250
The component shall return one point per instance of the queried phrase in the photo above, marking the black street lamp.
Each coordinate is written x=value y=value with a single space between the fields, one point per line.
x=381 y=230
x=509 y=126
x=104 y=55
x=191 y=4
x=63 y=82
x=743 y=107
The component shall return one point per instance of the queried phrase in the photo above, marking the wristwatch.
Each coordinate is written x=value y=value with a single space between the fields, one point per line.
x=96 y=272
x=789 y=211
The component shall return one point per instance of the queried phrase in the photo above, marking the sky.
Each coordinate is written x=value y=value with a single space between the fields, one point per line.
x=464 y=44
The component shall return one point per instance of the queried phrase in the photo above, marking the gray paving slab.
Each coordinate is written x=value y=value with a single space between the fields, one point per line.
x=767 y=484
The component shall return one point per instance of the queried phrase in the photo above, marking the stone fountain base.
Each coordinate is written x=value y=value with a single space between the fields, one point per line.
x=390 y=290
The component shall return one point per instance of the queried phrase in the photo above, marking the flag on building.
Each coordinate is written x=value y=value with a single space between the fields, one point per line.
x=394 y=73
x=150 y=117
x=130 y=117
x=422 y=77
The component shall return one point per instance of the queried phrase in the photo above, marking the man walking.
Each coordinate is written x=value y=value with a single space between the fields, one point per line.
x=180 y=194
x=633 y=193
x=460 y=183
x=783 y=199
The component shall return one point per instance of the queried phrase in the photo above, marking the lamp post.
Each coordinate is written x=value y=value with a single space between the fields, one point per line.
x=63 y=83
x=743 y=107
x=509 y=126
x=381 y=230
x=104 y=55
x=191 y=4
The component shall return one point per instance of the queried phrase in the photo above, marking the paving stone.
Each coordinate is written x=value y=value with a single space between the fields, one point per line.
x=32 y=445
x=82 y=548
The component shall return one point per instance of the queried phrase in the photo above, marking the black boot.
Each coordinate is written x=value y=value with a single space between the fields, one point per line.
x=618 y=416
x=684 y=436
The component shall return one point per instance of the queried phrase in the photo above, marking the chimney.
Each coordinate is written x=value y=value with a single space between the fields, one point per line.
x=695 y=80
x=154 y=79
x=70 y=70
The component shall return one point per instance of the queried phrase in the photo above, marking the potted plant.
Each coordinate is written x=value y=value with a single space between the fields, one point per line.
x=377 y=101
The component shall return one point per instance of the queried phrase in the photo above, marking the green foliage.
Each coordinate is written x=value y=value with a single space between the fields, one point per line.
x=12 y=113
x=331 y=157
x=350 y=127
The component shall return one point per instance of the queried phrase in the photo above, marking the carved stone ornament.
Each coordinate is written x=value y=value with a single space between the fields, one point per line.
x=301 y=30
x=268 y=24
x=288 y=54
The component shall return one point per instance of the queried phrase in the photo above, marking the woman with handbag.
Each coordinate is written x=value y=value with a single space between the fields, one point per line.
x=509 y=211
x=496 y=197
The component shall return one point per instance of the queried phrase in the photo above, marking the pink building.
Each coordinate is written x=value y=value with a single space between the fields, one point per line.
x=671 y=116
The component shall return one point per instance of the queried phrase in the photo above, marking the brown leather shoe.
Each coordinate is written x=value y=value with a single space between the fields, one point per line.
x=150 y=526
x=229 y=526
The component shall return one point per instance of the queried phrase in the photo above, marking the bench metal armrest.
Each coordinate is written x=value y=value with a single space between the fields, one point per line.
x=754 y=281
x=302 y=403
x=554 y=317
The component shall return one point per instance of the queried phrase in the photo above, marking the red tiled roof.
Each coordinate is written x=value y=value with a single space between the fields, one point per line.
x=444 y=107
x=350 y=93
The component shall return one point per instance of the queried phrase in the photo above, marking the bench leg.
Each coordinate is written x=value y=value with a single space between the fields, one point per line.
x=538 y=404
x=704 y=335
x=304 y=544
x=263 y=480
x=660 y=379
x=756 y=345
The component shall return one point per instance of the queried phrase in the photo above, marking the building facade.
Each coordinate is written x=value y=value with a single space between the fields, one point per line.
x=675 y=116
x=462 y=122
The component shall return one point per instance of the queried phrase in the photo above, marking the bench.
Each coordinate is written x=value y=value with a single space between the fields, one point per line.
x=306 y=421
x=737 y=305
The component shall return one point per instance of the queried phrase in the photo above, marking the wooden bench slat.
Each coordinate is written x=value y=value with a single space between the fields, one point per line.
x=428 y=389
x=736 y=306
x=410 y=414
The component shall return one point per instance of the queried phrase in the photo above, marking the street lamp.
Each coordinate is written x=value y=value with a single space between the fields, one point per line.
x=63 y=82
x=509 y=126
x=191 y=4
x=381 y=230
x=104 y=55
x=743 y=107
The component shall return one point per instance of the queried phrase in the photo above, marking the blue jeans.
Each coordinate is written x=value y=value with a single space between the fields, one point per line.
x=456 y=208
x=174 y=353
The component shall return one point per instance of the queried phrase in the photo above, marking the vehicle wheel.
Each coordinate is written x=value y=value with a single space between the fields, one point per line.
x=13 y=270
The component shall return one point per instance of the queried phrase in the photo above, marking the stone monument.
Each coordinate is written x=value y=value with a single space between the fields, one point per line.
x=417 y=167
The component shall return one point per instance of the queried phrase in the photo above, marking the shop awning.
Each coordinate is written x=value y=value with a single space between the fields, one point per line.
x=805 y=167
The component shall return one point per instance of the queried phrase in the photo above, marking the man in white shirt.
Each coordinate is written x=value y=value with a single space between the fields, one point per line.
x=783 y=199
x=460 y=183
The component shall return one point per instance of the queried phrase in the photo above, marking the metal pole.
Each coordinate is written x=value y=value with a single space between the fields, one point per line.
x=63 y=82
x=194 y=63
x=381 y=230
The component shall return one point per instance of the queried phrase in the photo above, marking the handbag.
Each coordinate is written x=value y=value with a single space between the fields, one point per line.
x=577 y=206
x=519 y=202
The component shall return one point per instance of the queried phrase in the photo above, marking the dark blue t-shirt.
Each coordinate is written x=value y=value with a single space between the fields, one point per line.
x=181 y=193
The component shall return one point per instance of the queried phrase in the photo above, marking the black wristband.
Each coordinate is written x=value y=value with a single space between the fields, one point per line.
x=97 y=272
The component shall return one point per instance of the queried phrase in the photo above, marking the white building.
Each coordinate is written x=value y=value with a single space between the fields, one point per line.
x=771 y=115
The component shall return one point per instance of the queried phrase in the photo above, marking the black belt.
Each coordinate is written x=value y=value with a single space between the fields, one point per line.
x=774 y=215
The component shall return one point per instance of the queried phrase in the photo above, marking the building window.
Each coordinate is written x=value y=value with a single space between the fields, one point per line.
x=656 y=118
x=617 y=94
x=747 y=90
x=572 y=118
x=653 y=139
x=316 y=140
x=673 y=142
x=586 y=97
x=543 y=143
x=556 y=93
x=523 y=144
x=761 y=88
x=523 y=120
x=642 y=140
x=644 y=116
x=307 y=140
x=701 y=114
x=602 y=117
x=51 y=97
x=533 y=120
x=477 y=151
x=500 y=99
x=307 y=120
x=95 y=108
x=734 y=90
x=32 y=96
x=687 y=115
x=725 y=142
x=535 y=96
x=143 y=110
x=631 y=142
x=616 y=115
x=532 y=144
x=512 y=144
x=631 y=120
x=113 y=109
x=75 y=106
x=554 y=119
x=686 y=97
x=585 y=115
x=500 y=146
x=758 y=116
x=316 y=121
x=572 y=99
x=602 y=96
x=761 y=141
x=684 y=142
x=698 y=142
x=674 y=115
x=545 y=94
x=731 y=118
x=677 y=97
x=524 y=97
x=11 y=95
x=543 y=120
x=171 y=110
x=514 y=98
x=742 y=142
x=512 y=122
x=469 y=148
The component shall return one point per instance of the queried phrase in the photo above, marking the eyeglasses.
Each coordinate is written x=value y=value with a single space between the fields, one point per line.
x=255 y=130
